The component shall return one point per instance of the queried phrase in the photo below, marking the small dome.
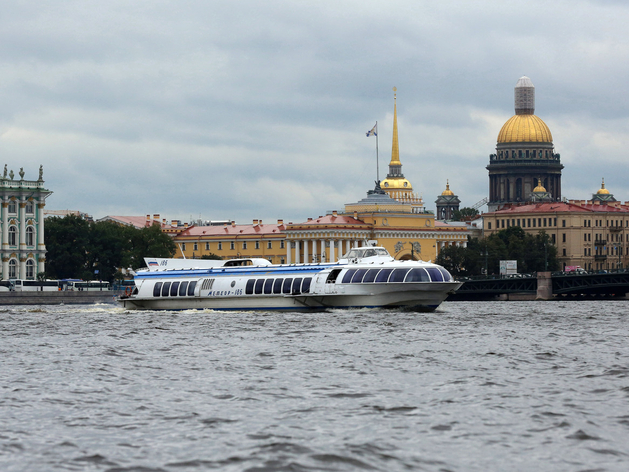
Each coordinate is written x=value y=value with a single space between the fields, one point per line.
x=603 y=190
x=525 y=129
x=540 y=187
x=447 y=191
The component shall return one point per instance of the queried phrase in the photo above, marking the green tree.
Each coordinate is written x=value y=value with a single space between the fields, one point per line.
x=88 y=250
x=67 y=244
x=464 y=214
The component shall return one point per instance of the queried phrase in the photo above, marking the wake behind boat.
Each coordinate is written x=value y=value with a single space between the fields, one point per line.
x=366 y=277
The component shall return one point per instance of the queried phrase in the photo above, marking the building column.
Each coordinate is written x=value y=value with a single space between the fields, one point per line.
x=288 y=252
x=332 y=243
x=323 y=255
x=340 y=248
x=5 y=267
x=5 y=226
x=22 y=217
x=22 y=267
x=297 y=251
x=306 y=251
x=314 y=250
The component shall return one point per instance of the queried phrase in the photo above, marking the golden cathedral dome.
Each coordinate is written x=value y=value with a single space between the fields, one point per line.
x=447 y=191
x=540 y=187
x=525 y=129
x=603 y=190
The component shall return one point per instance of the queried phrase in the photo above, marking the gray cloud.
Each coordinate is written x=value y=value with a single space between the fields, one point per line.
x=258 y=110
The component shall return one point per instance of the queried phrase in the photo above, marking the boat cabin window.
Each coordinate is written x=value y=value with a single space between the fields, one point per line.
x=249 y=287
x=165 y=289
x=347 y=278
x=435 y=274
x=268 y=286
x=417 y=275
x=358 y=276
x=358 y=253
x=305 y=286
x=191 y=287
x=447 y=277
x=370 y=276
x=398 y=275
x=157 y=289
x=258 y=287
x=277 y=285
x=286 y=286
x=183 y=289
x=238 y=263
x=383 y=275
x=174 y=288
x=297 y=286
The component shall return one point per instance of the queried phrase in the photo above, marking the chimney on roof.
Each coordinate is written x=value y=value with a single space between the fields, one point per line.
x=148 y=221
x=185 y=225
x=335 y=213
x=174 y=223
x=156 y=216
x=280 y=222
x=309 y=219
x=164 y=222
x=233 y=223
x=355 y=215
x=255 y=222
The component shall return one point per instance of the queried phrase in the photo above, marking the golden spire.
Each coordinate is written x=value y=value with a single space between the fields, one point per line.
x=603 y=190
x=395 y=150
x=540 y=187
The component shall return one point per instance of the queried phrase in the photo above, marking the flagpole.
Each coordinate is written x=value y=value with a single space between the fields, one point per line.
x=377 y=164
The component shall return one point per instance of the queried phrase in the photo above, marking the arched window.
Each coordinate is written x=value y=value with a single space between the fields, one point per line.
x=30 y=269
x=12 y=269
x=12 y=207
x=12 y=236
x=30 y=232
x=29 y=207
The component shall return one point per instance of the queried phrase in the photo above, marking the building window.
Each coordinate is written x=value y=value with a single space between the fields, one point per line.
x=564 y=251
x=518 y=221
x=12 y=207
x=220 y=246
x=282 y=261
x=257 y=244
x=563 y=237
x=282 y=245
x=30 y=233
x=563 y=223
x=183 y=247
x=12 y=236
x=12 y=269
x=29 y=207
x=585 y=251
x=195 y=247
x=207 y=246
x=244 y=245
x=232 y=245
x=585 y=238
x=30 y=269
x=489 y=225
x=553 y=238
x=269 y=245
x=528 y=222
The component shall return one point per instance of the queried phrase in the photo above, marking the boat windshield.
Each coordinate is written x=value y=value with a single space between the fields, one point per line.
x=359 y=253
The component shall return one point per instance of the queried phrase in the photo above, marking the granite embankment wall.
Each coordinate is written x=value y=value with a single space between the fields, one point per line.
x=57 y=298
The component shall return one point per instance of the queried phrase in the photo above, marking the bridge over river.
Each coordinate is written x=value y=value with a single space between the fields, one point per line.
x=545 y=286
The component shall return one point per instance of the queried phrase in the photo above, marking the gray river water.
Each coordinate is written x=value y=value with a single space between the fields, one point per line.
x=500 y=386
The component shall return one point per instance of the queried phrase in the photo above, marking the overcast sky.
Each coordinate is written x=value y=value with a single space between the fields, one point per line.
x=248 y=110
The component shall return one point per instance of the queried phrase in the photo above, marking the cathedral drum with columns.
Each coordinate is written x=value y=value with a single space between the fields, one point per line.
x=524 y=154
x=22 y=225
